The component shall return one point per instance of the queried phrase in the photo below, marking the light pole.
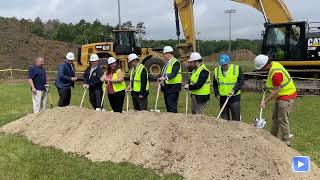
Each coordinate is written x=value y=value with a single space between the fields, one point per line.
x=119 y=14
x=230 y=12
x=198 y=42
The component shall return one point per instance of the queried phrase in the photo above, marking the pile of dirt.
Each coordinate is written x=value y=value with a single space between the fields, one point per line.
x=237 y=55
x=197 y=147
x=19 y=47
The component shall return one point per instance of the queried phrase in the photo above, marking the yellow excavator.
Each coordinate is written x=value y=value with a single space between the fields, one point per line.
x=296 y=45
x=120 y=45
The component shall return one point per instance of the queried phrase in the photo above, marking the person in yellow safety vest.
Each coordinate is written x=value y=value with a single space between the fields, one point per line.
x=199 y=84
x=171 y=80
x=139 y=83
x=282 y=88
x=114 y=78
x=228 y=81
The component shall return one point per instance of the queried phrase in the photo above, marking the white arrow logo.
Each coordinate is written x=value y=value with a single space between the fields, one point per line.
x=300 y=164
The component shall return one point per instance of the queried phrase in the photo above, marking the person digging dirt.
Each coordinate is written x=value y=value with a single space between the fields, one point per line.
x=282 y=87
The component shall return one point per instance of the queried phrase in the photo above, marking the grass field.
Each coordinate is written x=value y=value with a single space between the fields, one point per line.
x=20 y=159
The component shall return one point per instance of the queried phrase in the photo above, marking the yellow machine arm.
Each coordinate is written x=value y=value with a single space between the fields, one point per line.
x=184 y=8
x=274 y=11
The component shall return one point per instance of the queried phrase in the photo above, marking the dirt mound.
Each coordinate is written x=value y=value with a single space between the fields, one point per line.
x=196 y=147
x=19 y=47
x=237 y=55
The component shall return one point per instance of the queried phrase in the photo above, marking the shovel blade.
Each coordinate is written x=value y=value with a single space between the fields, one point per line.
x=155 y=110
x=259 y=123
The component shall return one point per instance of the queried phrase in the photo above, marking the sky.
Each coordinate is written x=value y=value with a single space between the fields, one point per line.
x=158 y=15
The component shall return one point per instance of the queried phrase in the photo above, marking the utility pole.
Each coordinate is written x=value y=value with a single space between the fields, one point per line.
x=119 y=14
x=230 y=12
x=198 y=42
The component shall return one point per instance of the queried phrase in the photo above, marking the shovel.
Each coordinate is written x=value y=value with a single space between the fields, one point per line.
x=83 y=96
x=157 y=98
x=223 y=107
x=187 y=101
x=260 y=123
x=127 y=101
x=102 y=100
x=48 y=91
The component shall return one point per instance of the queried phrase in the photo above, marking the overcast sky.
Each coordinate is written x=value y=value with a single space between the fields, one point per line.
x=158 y=15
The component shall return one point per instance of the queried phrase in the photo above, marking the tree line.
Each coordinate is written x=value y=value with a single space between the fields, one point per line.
x=89 y=32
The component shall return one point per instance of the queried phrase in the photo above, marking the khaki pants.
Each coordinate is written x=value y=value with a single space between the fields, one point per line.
x=280 y=119
x=39 y=101
x=197 y=108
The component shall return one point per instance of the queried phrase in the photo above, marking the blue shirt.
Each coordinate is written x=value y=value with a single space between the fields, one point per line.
x=38 y=76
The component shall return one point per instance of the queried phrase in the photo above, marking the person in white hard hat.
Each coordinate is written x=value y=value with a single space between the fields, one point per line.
x=282 y=88
x=91 y=79
x=65 y=80
x=139 y=83
x=171 y=80
x=199 y=84
x=114 y=78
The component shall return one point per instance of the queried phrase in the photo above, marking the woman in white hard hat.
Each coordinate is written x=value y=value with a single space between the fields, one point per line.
x=199 y=84
x=283 y=89
x=65 y=80
x=139 y=83
x=91 y=78
x=114 y=77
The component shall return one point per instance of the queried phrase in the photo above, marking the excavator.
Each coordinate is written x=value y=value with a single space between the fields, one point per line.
x=293 y=44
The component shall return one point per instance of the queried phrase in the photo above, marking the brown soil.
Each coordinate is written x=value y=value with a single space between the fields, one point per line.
x=197 y=147
x=237 y=55
x=19 y=47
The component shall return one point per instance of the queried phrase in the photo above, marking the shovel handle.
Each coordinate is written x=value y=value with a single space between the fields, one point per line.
x=263 y=98
x=187 y=101
x=83 y=96
x=223 y=107
x=157 y=98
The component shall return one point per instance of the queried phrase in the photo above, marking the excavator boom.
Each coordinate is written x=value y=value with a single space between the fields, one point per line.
x=274 y=11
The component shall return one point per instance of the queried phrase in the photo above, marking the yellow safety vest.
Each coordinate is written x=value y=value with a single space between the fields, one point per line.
x=287 y=85
x=226 y=84
x=178 y=78
x=205 y=89
x=117 y=87
x=137 y=78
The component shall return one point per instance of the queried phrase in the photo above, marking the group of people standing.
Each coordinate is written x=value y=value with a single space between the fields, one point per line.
x=227 y=82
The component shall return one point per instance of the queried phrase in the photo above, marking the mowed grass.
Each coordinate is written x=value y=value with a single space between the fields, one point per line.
x=20 y=159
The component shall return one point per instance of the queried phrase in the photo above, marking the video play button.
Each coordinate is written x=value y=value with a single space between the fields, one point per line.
x=301 y=164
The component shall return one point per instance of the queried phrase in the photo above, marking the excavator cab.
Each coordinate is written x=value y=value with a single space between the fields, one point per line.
x=126 y=42
x=285 y=41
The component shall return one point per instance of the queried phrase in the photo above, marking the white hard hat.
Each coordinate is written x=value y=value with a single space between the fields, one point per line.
x=70 y=56
x=132 y=57
x=195 y=57
x=260 y=61
x=167 y=49
x=94 y=57
x=111 y=60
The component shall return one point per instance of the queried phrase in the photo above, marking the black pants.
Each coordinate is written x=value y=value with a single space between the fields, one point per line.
x=95 y=97
x=171 y=101
x=140 y=104
x=233 y=108
x=65 y=96
x=116 y=101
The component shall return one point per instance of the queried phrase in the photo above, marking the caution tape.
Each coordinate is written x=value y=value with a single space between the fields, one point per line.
x=247 y=73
